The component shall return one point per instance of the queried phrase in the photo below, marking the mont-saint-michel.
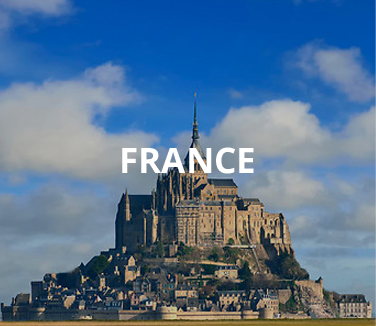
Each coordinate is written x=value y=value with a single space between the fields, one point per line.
x=194 y=248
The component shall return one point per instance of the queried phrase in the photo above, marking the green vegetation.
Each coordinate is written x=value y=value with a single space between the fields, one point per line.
x=227 y=286
x=290 y=306
x=142 y=252
x=331 y=298
x=145 y=269
x=214 y=256
x=287 y=267
x=231 y=242
x=184 y=250
x=208 y=269
x=244 y=272
x=159 y=250
x=231 y=255
x=98 y=265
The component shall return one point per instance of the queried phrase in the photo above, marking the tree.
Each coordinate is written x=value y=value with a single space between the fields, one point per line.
x=286 y=266
x=159 y=250
x=227 y=286
x=214 y=254
x=184 y=250
x=98 y=265
x=209 y=269
x=245 y=273
x=145 y=269
x=231 y=242
x=231 y=255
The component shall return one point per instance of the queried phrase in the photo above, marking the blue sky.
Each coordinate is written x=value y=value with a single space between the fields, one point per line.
x=81 y=79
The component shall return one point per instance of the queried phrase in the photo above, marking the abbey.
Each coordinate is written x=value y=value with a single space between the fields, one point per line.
x=193 y=209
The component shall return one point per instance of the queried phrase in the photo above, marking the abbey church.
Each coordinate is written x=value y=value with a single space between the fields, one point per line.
x=197 y=211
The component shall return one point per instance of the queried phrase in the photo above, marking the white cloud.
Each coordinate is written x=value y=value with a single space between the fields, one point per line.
x=47 y=7
x=49 y=128
x=341 y=68
x=347 y=212
x=358 y=137
x=363 y=217
x=51 y=229
x=14 y=11
x=285 y=190
x=286 y=129
x=303 y=226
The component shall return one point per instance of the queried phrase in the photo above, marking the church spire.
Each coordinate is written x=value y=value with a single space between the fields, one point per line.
x=195 y=134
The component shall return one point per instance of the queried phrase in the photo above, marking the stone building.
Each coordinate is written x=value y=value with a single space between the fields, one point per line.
x=230 y=298
x=226 y=272
x=266 y=299
x=354 y=306
x=198 y=211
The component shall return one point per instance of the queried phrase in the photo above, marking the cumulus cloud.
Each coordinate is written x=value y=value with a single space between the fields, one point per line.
x=51 y=229
x=47 y=7
x=358 y=137
x=341 y=68
x=52 y=212
x=286 y=189
x=50 y=128
x=14 y=11
x=286 y=129
x=347 y=213
x=294 y=158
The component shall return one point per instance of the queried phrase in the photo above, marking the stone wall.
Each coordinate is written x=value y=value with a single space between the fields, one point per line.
x=315 y=286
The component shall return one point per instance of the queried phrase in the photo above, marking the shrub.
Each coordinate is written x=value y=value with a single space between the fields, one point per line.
x=231 y=241
x=286 y=266
x=98 y=265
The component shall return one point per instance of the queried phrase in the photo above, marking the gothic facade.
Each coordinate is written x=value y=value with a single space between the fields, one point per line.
x=198 y=211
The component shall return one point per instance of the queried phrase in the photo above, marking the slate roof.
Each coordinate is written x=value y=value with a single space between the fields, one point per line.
x=195 y=144
x=355 y=298
x=251 y=200
x=226 y=196
x=227 y=267
x=269 y=294
x=231 y=292
x=222 y=182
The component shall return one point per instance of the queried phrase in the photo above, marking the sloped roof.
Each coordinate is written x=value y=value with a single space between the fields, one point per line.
x=356 y=298
x=222 y=182
x=195 y=144
x=251 y=200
